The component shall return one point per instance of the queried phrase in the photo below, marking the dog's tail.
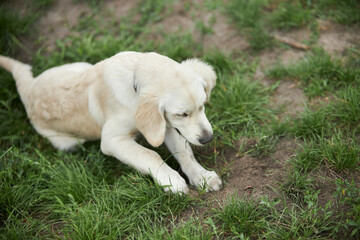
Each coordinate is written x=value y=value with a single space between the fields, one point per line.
x=20 y=71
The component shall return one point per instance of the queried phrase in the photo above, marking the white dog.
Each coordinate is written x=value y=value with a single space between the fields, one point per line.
x=116 y=98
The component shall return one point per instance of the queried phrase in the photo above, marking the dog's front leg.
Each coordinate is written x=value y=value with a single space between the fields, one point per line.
x=127 y=150
x=198 y=176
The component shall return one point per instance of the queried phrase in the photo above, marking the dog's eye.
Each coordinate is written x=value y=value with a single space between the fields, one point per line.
x=201 y=108
x=185 y=114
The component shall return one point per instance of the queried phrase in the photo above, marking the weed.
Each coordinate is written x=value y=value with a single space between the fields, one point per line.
x=312 y=124
x=264 y=146
x=352 y=57
x=349 y=194
x=340 y=152
x=191 y=229
x=336 y=151
x=308 y=221
x=345 y=109
x=21 y=226
x=308 y=158
x=297 y=185
x=243 y=217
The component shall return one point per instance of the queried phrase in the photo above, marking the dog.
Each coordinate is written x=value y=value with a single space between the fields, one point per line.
x=118 y=97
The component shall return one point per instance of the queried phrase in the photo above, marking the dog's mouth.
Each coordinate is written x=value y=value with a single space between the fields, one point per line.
x=179 y=132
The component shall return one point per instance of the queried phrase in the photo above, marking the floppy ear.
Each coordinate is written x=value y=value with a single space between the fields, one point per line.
x=205 y=71
x=150 y=121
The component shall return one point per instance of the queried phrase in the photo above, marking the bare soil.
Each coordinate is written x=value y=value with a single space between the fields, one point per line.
x=246 y=174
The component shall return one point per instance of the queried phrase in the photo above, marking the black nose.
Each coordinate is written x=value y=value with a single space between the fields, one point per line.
x=206 y=138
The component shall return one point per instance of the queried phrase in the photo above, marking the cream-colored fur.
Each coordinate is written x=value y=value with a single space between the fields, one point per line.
x=115 y=98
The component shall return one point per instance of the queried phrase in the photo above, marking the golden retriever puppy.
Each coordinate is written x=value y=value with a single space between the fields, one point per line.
x=116 y=98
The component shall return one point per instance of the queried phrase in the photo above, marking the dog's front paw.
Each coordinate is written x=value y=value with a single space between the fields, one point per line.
x=207 y=180
x=173 y=182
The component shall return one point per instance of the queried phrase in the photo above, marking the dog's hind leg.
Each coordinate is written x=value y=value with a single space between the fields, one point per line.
x=65 y=143
x=60 y=141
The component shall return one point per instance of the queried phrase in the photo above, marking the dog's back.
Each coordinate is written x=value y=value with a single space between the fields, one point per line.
x=56 y=101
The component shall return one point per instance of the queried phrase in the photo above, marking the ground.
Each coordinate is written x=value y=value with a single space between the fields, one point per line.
x=243 y=172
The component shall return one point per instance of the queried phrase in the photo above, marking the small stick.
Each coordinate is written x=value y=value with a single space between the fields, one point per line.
x=291 y=42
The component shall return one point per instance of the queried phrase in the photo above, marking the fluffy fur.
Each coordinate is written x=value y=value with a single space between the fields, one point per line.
x=115 y=98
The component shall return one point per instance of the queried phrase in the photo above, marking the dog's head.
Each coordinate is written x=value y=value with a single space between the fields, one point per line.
x=177 y=100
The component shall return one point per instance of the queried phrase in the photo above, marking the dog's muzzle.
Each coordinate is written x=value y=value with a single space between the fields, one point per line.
x=206 y=138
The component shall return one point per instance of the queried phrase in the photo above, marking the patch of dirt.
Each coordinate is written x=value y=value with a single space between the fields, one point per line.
x=335 y=39
x=287 y=96
x=119 y=8
x=58 y=21
x=291 y=97
x=247 y=175
x=223 y=36
x=61 y=18
x=264 y=172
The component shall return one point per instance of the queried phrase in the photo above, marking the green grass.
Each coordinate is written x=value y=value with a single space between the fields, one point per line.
x=191 y=229
x=349 y=194
x=248 y=111
x=329 y=138
x=290 y=14
x=247 y=16
x=91 y=3
x=258 y=18
x=84 y=194
x=341 y=113
x=78 y=193
x=255 y=20
x=12 y=26
x=297 y=185
x=308 y=221
x=344 y=12
x=120 y=210
x=264 y=146
x=244 y=217
x=318 y=72
x=340 y=152
x=15 y=25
